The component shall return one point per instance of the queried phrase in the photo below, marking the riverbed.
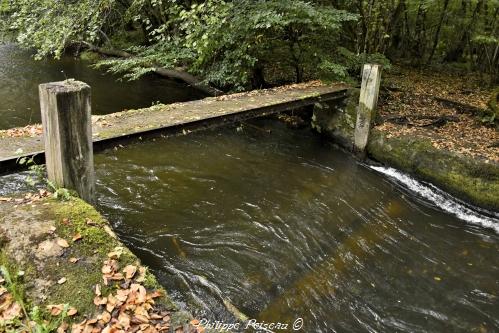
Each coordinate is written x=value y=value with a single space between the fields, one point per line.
x=285 y=228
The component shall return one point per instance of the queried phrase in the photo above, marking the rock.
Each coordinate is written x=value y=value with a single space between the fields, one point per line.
x=48 y=248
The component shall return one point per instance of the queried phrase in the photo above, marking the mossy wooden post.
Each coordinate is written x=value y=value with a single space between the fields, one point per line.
x=67 y=132
x=371 y=78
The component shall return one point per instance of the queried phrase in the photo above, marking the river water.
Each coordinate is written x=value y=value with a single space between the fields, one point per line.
x=20 y=76
x=288 y=229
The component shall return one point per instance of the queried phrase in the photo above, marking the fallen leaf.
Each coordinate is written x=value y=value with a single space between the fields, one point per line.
x=62 y=243
x=55 y=309
x=72 y=311
x=97 y=290
x=73 y=260
x=12 y=312
x=100 y=300
x=62 y=328
x=61 y=280
x=155 y=294
x=77 y=237
x=106 y=269
x=90 y=222
x=124 y=320
x=130 y=271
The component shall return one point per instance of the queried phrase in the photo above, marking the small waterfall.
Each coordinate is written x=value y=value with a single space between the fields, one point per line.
x=443 y=200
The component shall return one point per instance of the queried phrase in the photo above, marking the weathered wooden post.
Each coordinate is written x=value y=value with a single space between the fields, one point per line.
x=371 y=78
x=67 y=132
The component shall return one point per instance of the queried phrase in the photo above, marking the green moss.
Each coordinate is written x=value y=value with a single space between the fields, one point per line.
x=71 y=218
x=471 y=179
x=337 y=119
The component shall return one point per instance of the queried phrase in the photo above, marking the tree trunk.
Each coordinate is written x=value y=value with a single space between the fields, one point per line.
x=437 y=33
x=176 y=73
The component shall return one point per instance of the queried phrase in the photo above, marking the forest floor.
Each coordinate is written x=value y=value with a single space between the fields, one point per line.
x=441 y=106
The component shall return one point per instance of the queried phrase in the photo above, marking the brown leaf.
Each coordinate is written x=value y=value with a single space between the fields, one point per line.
x=90 y=222
x=140 y=311
x=117 y=277
x=62 y=242
x=72 y=311
x=62 y=328
x=124 y=320
x=122 y=295
x=107 y=269
x=138 y=319
x=111 y=303
x=65 y=221
x=55 y=309
x=12 y=312
x=142 y=274
x=73 y=260
x=155 y=294
x=130 y=271
x=77 y=237
x=97 y=290
x=105 y=317
x=100 y=300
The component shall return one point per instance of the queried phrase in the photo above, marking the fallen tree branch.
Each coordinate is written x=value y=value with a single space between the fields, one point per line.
x=460 y=107
x=176 y=73
x=438 y=121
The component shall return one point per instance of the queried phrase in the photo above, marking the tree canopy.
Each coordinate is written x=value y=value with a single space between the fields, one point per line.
x=237 y=45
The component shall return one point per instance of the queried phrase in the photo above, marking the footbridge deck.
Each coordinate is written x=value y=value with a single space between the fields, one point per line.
x=173 y=119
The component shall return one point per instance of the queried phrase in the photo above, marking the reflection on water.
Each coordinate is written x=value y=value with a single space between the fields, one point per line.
x=282 y=226
x=20 y=75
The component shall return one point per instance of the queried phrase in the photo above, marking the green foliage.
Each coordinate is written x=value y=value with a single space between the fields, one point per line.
x=244 y=44
x=49 y=26
x=37 y=172
x=228 y=43
x=37 y=177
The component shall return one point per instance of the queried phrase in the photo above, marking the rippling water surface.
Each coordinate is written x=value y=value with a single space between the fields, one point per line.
x=283 y=226
x=20 y=76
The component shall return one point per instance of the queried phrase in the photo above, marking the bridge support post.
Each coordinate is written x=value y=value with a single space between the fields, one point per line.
x=67 y=133
x=369 y=90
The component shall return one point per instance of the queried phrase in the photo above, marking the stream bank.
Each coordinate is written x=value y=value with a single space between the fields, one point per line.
x=456 y=154
x=69 y=269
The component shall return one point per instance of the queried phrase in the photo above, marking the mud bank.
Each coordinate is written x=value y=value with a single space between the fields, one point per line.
x=64 y=255
x=472 y=179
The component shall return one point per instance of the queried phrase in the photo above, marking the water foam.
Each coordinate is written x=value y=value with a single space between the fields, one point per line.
x=442 y=199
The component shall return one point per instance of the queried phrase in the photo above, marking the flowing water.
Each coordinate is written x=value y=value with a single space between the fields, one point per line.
x=282 y=226
x=287 y=229
x=20 y=76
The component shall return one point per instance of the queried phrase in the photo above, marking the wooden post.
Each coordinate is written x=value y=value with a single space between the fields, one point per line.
x=371 y=78
x=67 y=132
